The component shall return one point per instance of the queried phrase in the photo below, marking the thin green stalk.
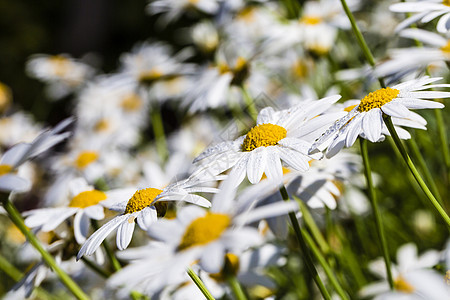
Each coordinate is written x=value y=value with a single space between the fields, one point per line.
x=236 y=288
x=361 y=41
x=199 y=283
x=312 y=226
x=412 y=168
x=250 y=103
x=306 y=255
x=423 y=166
x=111 y=257
x=376 y=212
x=158 y=130
x=16 y=218
x=443 y=137
x=95 y=268
x=333 y=280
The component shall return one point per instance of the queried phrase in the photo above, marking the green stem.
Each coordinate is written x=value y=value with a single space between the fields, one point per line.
x=199 y=283
x=95 y=268
x=443 y=139
x=361 y=41
x=306 y=255
x=16 y=218
x=412 y=168
x=376 y=212
x=333 y=280
x=250 y=103
x=111 y=257
x=158 y=130
x=423 y=166
x=236 y=288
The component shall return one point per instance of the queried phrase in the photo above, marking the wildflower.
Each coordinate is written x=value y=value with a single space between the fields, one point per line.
x=142 y=208
x=20 y=153
x=173 y=9
x=365 y=119
x=278 y=136
x=195 y=235
x=424 y=11
x=85 y=203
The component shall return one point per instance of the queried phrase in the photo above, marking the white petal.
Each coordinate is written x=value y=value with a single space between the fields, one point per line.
x=13 y=183
x=238 y=172
x=412 y=103
x=353 y=130
x=274 y=170
x=213 y=258
x=81 y=226
x=294 y=159
x=395 y=109
x=442 y=25
x=15 y=155
x=97 y=237
x=58 y=219
x=372 y=123
x=147 y=217
x=266 y=115
x=256 y=164
x=125 y=233
x=95 y=212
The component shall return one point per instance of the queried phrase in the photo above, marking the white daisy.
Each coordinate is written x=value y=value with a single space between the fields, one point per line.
x=85 y=204
x=366 y=118
x=195 y=235
x=403 y=61
x=278 y=136
x=413 y=277
x=173 y=9
x=425 y=11
x=20 y=153
x=142 y=207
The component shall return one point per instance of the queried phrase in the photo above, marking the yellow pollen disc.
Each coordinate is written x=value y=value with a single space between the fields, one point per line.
x=101 y=125
x=446 y=47
x=377 y=99
x=87 y=198
x=5 y=97
x=150 y=75
x=5 y=169
x=230 y=267
x=247 y=14
x=131 y=102
x=263 y=135
x=60 y=65
x=446 y=2
x=240 y=64
x=447 y=277
x=85 y=158
x=310 y=20
x=204 y=230
x=400 y=284
x=299 y=69
x=141 y=199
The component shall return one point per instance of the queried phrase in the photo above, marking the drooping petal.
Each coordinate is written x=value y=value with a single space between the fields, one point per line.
x=125 y=233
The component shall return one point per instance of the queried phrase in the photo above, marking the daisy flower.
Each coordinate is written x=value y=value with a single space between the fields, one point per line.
x=142 y=208
x=85 y=204
x=365 y=119
x=413 y=277
x=20 y=153
x=425 y=11
x=403 y=61
x=173 y=9
x=195 y=235
x=278 y=136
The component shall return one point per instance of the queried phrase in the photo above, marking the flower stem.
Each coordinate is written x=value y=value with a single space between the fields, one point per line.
x=16 y=218
x=376 y=212
x=250 y=103
x=199 y=283
x=95 y=268
x=333 y=280
x=158 y=130
x=236 y=288
x=361 y=41
x=412 y=168
x=444 y=142
x=306 y=255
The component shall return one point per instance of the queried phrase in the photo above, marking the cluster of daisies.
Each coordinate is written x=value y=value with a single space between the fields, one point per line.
x=264 y=98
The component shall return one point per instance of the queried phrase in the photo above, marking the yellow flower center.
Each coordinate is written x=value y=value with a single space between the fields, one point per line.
x=263 y=135
x=299 y=69
x=60 y=65
x=85 y=158
x=5 y=169
x=377 y=99
x=230 y=268
x=447 y=277
x=101 y=125
x=5 y=97
x=131 y=102
x=446 y=47
x=150 y=75
x=141 y=199
x=87 y=198
x=400 y=284
x=446 y=2
x=204 y=230
x=311 y=20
